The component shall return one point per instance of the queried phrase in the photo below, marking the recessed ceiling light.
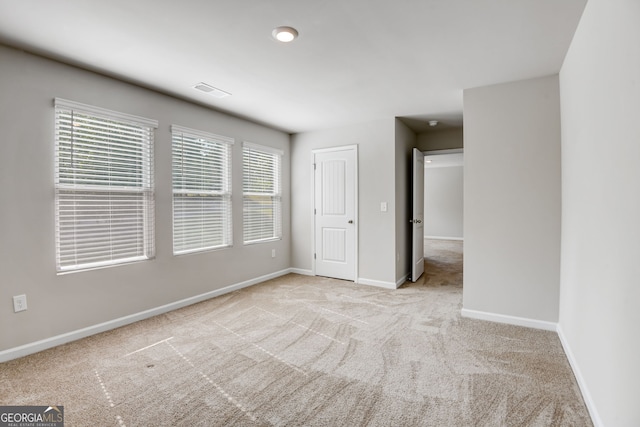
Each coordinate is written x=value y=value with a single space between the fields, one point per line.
x=213 y=91
x=284 y=34
x=428 y=160
x=433 y=123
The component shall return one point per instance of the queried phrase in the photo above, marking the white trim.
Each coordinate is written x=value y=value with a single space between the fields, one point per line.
x=582 y=384
x=201 y=134
x=378 y=283
x=85 y=108
x=356 y=258
x=263 y=148
x=34 y=347
x=510 y=320
x=337 y=148
x=312 y=192
x=301 y=271
x=448 y=151
x=443 y=238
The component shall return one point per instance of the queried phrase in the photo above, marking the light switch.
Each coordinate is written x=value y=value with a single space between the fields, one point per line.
x=383 y=206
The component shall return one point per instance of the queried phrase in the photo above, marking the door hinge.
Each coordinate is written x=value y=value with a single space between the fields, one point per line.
x=314 y=256
x=314 y=211
x=314 y=166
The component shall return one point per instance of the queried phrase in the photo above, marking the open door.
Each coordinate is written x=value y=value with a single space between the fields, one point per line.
x=417 y=216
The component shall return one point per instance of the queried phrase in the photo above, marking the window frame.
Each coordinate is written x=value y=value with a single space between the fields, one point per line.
x=113 y=197
x=275 y=195
x=225 y=194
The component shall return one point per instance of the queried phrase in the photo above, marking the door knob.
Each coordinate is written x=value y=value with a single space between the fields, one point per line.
x=350 y=221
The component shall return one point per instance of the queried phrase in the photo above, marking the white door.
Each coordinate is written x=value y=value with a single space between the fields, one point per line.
x=417 y=218
x=335 y=181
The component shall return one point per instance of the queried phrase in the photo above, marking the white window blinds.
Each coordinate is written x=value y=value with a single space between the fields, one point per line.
x=262 y=198
x=201 y=190
x=104 y=201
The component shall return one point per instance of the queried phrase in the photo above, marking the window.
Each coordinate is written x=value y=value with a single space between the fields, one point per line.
x=201 y=190
x=261 y=193
x=104 y=201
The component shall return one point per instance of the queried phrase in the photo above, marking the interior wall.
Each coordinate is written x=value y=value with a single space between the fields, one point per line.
x=376 y=184
x=599 y=293
x=404 y=143
x=445 y=139
x=512 y=200
x=443 y=202
x=58 y=304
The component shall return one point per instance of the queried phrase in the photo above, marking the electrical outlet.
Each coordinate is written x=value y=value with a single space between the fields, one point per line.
x=383 y=206
x=19 y=303
x=273 y=253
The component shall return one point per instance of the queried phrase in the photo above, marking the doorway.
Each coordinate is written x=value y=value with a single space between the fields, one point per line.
x=444 y=194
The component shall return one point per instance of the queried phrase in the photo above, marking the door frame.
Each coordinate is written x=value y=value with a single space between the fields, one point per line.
x=353 y=147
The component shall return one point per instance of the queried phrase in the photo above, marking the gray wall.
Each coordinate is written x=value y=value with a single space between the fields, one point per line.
x=443 y=201
x=444 y=139
x=600 y=271
x=512 y=199
x=376 y=178
x=63 y=303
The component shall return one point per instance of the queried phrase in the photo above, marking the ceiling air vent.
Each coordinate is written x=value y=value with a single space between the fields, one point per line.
x=215 y=92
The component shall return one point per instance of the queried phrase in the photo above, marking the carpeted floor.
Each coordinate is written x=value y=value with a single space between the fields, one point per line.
x=311 y=351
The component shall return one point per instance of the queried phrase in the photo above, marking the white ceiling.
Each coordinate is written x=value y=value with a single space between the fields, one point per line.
x=354 y=61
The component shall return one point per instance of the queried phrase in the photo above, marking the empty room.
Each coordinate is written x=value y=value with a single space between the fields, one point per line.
x=338 y=213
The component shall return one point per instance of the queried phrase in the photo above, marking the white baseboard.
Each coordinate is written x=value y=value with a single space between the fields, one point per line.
x=511 y=320
x=378 y=283
x=301 y=271
x=442 y=238
x=588 y=400
x=34 y=347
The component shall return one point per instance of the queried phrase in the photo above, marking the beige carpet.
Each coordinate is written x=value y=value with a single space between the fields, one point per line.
x=310 y=351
